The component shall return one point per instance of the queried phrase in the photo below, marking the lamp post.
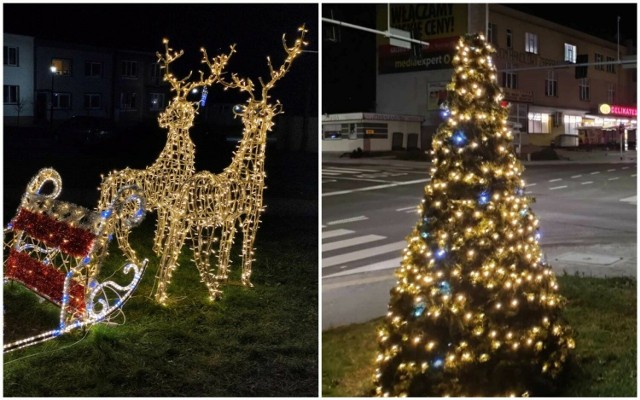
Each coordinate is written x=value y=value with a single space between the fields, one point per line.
x=53 y=75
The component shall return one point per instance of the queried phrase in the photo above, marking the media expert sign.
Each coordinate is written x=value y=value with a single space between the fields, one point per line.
x=438 y=24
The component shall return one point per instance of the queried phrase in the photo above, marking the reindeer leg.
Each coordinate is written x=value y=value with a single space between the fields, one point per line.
x=161 y=232
x=224 y=253
x=202 y=240
x=169 y=258
x=249 y=229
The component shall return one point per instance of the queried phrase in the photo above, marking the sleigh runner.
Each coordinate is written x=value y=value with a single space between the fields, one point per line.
x=56 y=250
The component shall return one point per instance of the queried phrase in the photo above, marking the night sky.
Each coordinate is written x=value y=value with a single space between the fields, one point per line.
x=349 y=83
x=256 y=29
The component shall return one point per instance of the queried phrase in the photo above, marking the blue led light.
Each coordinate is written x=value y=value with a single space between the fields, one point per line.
x=424 y=235
x=86 y=260
x=10 y=225
x=238 y=109
x=484 y=197
x=110 y=236
x=418 y=309
x=106 y=213
x=538 y=235
x=444 y=287
x=440 y=253
x=438 y=362
x=140 y=212
x=459 y=138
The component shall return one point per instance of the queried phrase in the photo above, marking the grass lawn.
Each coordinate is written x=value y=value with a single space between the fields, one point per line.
x=260 y=341
x=602 y=313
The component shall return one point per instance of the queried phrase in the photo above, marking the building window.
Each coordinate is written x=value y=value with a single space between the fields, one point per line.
x=571 y=124
x=611 y=93
x=92 y=101
x=584 y=89
x=509 y=37
x=128 y=100
x=156 y=101
x=551 y=84
x=510 y=80
x=11 y=94
x=531 y=43
x=492 y=34
x=62 y=101
x=570 y=53
x=598 y=58
x=63 y=66
x=155 y=71
x=92 y=68
x=129 y=69
x=538 y=123
x=11 y=56
x=611 y=67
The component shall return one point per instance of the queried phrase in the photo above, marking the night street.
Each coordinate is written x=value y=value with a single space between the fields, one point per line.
x=586 y=212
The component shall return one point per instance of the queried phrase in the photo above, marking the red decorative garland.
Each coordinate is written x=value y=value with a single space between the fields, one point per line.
x=53 y=233
x=46 y=280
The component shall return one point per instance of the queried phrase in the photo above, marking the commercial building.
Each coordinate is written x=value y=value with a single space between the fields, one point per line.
x=542 y=68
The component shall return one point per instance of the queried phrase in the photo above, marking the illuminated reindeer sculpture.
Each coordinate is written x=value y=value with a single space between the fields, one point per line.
x=176 y=162
x=209 y=202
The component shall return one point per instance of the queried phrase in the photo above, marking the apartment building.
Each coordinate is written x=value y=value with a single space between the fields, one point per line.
x=49 y=81
x=17 y=72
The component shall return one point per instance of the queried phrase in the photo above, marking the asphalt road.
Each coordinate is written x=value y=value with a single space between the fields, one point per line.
x=587 y=216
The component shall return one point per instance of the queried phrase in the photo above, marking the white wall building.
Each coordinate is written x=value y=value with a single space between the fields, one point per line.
x=17 y=79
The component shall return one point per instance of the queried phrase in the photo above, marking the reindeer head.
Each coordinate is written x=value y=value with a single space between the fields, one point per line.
x=180 y=112
x=257 y=113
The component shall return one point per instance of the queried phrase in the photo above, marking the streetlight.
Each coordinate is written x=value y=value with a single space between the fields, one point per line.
x=54 y=70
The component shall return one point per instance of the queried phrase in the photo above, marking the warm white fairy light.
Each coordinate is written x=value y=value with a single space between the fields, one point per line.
x=232 y=200
x=50 y=240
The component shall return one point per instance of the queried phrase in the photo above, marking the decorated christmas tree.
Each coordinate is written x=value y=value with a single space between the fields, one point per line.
x=476 y=310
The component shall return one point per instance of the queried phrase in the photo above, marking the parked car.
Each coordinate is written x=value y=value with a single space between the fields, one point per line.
x=82 y=129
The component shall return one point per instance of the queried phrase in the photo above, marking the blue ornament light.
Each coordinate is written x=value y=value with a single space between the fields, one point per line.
x=484 y=197
x=444 y=287
x=440 y=253
x=438 y=362
x=418 y=309
x=459 y=138
x=106 y=213
x=520 y=191
x=538 y=235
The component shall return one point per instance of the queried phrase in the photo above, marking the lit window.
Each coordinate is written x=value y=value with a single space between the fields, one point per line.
x=531 y=43
x=539 y=123
x=62 y=65
x=570 y=53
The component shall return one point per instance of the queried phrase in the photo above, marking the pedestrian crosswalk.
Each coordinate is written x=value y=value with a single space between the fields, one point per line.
x=342 y=247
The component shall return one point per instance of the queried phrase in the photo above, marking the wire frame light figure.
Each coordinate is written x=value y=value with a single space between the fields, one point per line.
x=209 y=204
x=56 y=250
x=176 y=162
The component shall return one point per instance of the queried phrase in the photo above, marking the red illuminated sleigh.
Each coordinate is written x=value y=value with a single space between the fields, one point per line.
x=56 y=250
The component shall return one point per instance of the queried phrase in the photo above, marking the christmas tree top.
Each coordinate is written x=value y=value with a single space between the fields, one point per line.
x=476 y=310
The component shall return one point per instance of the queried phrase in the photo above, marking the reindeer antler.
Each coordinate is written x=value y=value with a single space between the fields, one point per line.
x=246 y=84
x=180 y=86
x=292 y=53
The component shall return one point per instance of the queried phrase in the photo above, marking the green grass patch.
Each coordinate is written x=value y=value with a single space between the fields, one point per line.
x=602 y=313
x=260 y=341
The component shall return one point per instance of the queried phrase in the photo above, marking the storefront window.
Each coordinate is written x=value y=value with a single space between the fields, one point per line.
x=539 y=123
x=571 y=124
